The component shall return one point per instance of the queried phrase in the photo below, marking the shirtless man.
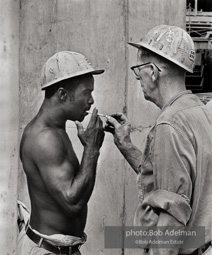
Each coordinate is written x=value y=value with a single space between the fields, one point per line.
x=60 y=187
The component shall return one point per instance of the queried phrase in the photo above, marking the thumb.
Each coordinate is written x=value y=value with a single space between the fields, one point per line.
x=79 y=127
x=112 y=121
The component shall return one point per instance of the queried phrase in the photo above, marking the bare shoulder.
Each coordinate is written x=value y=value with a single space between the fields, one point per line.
x=44 y=148
x=42 y=143
x=49 y=145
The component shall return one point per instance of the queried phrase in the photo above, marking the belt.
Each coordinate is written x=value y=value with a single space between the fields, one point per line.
x=201 y=250
x=42 y=243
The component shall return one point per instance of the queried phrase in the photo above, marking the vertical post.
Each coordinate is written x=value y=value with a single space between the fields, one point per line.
x=196 y=7
x=9 y=123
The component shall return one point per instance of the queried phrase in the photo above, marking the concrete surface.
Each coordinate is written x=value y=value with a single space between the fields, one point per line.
x=99 y=29
x=9 y=123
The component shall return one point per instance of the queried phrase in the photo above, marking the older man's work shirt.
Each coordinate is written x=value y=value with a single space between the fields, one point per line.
x=175 y=178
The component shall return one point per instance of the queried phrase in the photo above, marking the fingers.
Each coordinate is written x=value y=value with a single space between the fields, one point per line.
x=95 y=121
x=109 y=128
x=112 y=122
x=120 y=117
x=93 y=118
x=95 y=111
x=99 y=121
x=117 y=114
x=80 y=128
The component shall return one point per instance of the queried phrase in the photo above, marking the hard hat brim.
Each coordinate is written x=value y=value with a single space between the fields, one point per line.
x=92 y=72
x=96 y=72
x=144 y=45
x=137 y=45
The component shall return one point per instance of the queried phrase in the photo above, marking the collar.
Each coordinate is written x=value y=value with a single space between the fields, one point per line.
x=173 y=99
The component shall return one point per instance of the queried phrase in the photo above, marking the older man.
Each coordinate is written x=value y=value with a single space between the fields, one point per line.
x=174 y=171
x=59 y=186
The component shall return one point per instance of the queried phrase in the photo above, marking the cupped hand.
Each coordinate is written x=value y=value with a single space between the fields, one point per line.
x=119 y=126
x=93 y=136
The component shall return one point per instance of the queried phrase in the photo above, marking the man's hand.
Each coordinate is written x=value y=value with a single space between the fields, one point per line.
x=93 y=136
x=119 y=126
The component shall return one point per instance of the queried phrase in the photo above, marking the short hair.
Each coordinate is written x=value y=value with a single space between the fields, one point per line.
x=143 y=52
x=69 y=84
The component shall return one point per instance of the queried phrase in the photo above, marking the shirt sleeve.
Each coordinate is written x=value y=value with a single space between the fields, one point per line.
x=173 y=165
x=173 y=159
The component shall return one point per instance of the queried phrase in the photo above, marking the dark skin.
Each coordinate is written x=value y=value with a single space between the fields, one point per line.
x=59 y=186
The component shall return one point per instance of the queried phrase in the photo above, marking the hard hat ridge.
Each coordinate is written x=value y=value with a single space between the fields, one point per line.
x=172 y=43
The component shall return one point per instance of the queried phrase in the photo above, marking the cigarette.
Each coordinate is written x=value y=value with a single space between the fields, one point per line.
x=100 y=114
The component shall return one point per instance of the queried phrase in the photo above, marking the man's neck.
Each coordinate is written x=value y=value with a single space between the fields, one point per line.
x=170 y=89
x=52 y=115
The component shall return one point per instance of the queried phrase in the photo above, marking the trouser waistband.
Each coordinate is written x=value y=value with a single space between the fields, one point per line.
x=42 y=243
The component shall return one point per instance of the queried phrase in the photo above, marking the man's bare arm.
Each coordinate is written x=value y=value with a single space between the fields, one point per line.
x=70 y=187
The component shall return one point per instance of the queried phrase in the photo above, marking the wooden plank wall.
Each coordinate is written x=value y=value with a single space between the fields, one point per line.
x=100 y=30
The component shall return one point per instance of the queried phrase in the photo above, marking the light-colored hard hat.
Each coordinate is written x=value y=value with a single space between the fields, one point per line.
x=64 y=65
x=172 y=43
